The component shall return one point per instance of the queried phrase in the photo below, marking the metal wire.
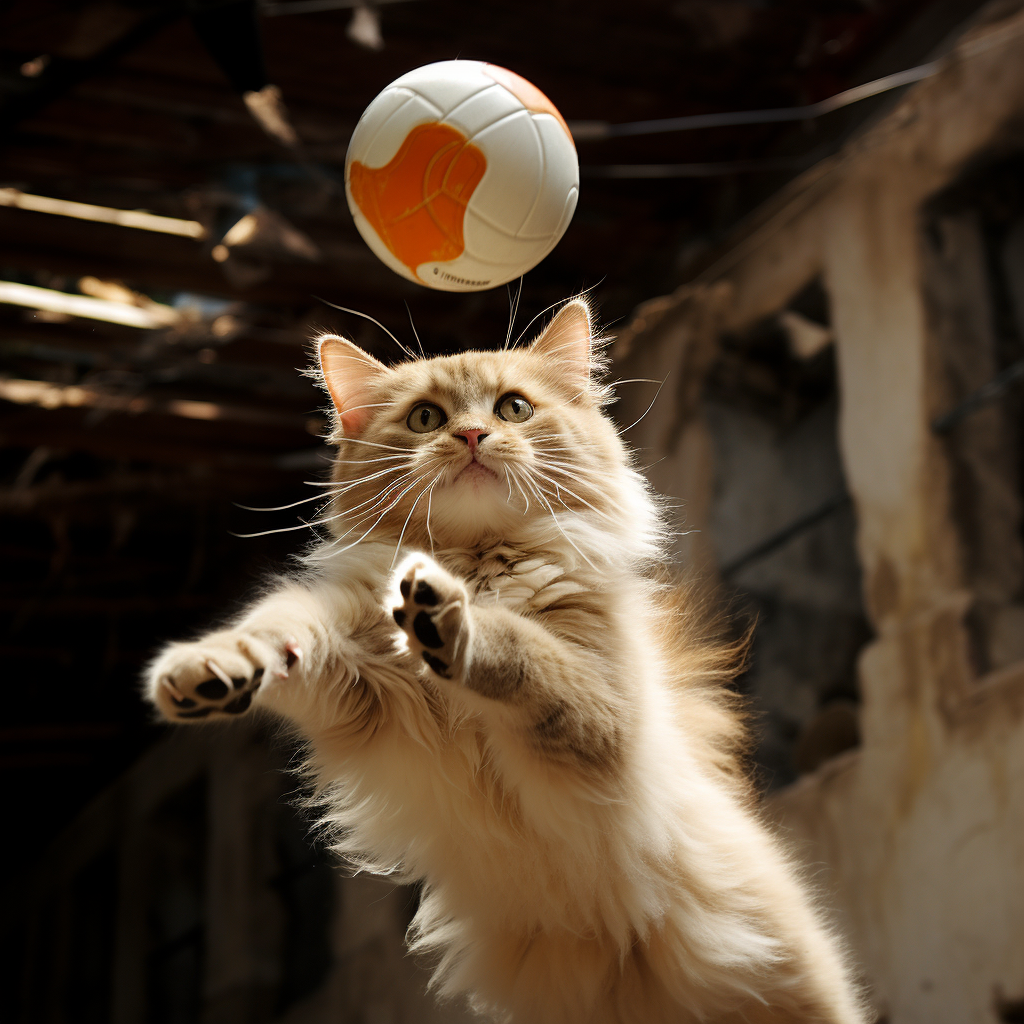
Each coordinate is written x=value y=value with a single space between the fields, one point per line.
x=985 y=394
x=590 y=131
x=786 y=534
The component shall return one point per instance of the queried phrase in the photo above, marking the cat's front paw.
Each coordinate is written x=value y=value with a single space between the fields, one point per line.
x=215 y=676
x=432 y=608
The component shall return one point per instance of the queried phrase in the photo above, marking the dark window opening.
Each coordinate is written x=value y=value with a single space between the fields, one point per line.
x=973 y=244
x=783 y=526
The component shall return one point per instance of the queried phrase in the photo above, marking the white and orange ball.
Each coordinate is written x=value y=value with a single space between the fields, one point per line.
x=461 y=175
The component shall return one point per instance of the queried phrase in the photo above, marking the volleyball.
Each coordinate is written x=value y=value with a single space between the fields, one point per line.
x=461 y=175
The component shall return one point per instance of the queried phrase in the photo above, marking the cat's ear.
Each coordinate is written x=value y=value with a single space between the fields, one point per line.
x=567 y=339
x=349 y=373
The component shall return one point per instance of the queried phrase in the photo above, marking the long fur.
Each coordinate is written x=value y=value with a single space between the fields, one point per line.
x=572 y=797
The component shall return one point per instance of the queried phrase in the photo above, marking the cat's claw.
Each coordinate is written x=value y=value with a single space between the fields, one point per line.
x=292 y=656
x=216 y=676
x=430 y=607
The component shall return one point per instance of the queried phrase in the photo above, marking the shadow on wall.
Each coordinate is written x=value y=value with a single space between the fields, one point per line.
x=783 y=529
x=973 y=252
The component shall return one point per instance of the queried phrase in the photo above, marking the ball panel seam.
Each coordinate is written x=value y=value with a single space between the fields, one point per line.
x=467 y=99
x=543 y=171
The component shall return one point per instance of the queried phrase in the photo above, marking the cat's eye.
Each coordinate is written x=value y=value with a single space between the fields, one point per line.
x=513 y=408
x=425 y=417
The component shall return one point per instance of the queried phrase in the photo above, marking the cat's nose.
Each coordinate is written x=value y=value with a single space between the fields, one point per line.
x=471 y=437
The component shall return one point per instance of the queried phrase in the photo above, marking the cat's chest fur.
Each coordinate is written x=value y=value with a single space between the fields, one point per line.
x=512 y=575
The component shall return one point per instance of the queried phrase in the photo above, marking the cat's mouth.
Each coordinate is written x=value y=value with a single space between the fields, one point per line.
x=476 y=471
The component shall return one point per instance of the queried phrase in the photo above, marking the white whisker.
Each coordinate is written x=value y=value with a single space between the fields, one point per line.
x=567 y=470
x=515 y=478
x=573 y=494
x=558 y=526
x=430 y=497
x=356 y=462
x=268 y=532
x=647 y=410
x=359 y=462
x=372 y=502
x=318 y=519
x=415 y=333
x=378 y=497
x=365 y=462
x=369 y=405
x=376 y=521
x=560 y=302
x=571 y=471
x=398 y=546
x=377 y=444
x=513 y=309
x=349 y=484
x=280 y=508
x=340 y=488
x=366 y=316
x=376 y=500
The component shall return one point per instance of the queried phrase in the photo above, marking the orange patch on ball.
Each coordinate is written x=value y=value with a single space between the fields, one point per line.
x=417 y=202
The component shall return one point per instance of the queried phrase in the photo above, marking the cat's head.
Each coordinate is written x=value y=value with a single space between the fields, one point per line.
x=457 y=449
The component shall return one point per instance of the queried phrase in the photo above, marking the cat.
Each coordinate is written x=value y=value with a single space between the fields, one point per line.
x=504 y=699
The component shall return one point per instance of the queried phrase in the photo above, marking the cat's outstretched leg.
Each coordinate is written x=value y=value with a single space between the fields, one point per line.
x=283 y=653
x=217 y=675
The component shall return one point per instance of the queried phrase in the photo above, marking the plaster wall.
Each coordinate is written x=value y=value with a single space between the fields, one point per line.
x=916 y=838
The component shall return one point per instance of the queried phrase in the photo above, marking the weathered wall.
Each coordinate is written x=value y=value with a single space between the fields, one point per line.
x=916 y=838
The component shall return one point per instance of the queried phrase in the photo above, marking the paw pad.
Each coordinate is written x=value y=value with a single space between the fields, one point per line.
x=425 y=630
x=209 y=695
x=213 y=689
x=436 y=664
x=431 y=611
x=215 y=677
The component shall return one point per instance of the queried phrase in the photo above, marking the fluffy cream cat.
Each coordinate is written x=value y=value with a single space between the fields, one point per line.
x=501 y=699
